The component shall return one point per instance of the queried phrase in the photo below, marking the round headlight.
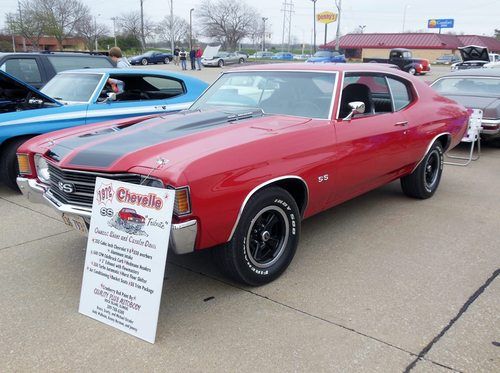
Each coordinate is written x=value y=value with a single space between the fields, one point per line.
x=42 y=169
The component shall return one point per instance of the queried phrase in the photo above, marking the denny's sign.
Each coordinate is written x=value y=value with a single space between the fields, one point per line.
x=326 y=17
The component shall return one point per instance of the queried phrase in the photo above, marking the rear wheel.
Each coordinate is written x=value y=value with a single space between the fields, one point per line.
x=265 y=239
x=9 y=170
x=241 y=60
x=423 y=182
x=166 y=61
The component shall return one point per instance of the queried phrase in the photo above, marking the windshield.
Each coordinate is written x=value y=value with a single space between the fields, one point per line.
x=322 y=54
x=148 y=54
x=468 y=86
x=72 y=87
x=305 y=94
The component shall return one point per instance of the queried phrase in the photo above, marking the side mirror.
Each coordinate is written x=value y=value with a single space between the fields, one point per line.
x=357 y=107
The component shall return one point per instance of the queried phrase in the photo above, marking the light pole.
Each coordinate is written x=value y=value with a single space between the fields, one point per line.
x=172 y=25
x=114 y=29
x=314 y=32
x=191 y=28
x=95 y=32
x=337 y=38
x=264 y=19
x=143 y=40
x=404 y=16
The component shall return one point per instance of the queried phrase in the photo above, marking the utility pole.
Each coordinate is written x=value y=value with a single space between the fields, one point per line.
x=190 y=28
x=114 y=29
x=287 y=22
x=404 y=17
x=314 y=23
x=339 y=7
x=143 y=40
x=172 y=26
x=264 y=19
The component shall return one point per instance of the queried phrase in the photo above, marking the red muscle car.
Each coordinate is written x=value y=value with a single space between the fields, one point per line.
x=262 y=149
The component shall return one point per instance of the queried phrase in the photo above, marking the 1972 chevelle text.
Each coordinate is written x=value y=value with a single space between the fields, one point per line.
x=262 y=149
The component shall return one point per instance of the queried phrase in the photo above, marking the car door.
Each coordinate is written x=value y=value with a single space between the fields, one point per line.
x=141 y=95
x=370 y=147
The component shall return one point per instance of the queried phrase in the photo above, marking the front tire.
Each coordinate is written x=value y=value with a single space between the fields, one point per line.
x=412 y=71
x=221 y=63
x=423 y=182
x=9 y=169
x=265 y=239
x=144 y=62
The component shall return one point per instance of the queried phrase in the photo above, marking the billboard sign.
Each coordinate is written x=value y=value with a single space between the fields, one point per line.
x=440 y=23
x=326 y=17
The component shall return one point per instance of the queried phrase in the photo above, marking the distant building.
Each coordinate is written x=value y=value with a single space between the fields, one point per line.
x=423 y=45
x=47 y=43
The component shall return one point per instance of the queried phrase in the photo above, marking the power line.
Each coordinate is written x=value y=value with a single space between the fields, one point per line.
x=287 y=10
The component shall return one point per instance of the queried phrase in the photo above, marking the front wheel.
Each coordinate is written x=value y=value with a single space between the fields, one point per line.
x=144 y=62
x=241 y=60
x=412 y=71
x=265 y=239
x=9 y=168
x=221 y=63
x=423 y=182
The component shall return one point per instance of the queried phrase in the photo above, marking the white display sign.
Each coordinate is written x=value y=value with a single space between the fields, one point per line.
x=126 y=255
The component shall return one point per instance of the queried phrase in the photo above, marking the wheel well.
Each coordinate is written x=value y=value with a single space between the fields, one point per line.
x=445 y=141
x=297 y=188
x=7 y=142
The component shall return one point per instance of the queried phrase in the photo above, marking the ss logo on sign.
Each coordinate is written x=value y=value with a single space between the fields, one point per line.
x=106 y=212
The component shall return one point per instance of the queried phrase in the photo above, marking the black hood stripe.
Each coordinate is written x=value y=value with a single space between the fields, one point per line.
x=114 y=144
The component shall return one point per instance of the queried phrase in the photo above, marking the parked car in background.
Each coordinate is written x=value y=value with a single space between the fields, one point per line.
x=38 y=68
x=301 y=57
x=327 y=56
x=222 y=58
x=262 y=55
x=476 y=89
x=242 y=54
x=473 y=57
x=284 y=56
x=151 y=57
x=403 y=58
x=447 y=59
x=247 y=169
x=77 y=97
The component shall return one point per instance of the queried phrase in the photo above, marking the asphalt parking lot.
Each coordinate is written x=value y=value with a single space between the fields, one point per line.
x=380 y=283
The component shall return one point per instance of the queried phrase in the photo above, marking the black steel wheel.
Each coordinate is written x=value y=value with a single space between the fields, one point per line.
x=265 y=240
x=423 y=182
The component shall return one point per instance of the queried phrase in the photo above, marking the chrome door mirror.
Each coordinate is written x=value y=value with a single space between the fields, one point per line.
x=357 y=107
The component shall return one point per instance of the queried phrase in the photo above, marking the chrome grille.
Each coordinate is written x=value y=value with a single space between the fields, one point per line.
x=83 y=182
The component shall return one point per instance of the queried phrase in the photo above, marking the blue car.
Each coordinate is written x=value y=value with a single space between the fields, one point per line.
x=77 y=97
x=283 y=56
x=151 y=57
x=327 y=56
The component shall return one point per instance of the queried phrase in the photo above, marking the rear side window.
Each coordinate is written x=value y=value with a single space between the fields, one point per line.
x=25 y=69
x=400 y=94
x=165 y=84
x=63 y=63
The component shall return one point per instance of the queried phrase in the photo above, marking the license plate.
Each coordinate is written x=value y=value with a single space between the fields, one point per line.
x=76 y=222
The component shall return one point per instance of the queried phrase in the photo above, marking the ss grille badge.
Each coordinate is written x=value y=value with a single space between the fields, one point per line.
x=66 y=187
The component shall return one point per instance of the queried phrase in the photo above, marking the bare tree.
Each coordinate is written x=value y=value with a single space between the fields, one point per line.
x=28 y=22
x=63 y=17
x=178 y=33
x=227 y=21
x=91 y=31
x=130 y=24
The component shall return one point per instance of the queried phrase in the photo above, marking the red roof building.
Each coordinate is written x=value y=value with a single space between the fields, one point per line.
x=424 y=45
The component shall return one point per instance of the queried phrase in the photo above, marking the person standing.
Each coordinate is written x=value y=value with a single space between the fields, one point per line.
x=115 y=54
x=199 y=53
x=192 y=58
x=182 y=58
x=176 y=56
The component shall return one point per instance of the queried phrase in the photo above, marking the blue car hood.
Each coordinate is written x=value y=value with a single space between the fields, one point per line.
x=13 y=90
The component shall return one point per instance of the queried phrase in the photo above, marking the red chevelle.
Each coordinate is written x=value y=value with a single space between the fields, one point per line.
x=262 y=149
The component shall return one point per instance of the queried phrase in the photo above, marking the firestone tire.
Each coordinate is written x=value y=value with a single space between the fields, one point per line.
x=8 y=163
x=423 y=182
x=265 y=239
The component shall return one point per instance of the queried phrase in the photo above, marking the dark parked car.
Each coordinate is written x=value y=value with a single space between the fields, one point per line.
x=151 y=57
x=38 y=68
x=403 y=58
x=476 y=89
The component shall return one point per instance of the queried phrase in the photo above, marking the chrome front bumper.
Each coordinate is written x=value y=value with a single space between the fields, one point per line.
x=182 y=235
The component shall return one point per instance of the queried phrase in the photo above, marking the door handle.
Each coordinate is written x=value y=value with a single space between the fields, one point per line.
x=402 y=124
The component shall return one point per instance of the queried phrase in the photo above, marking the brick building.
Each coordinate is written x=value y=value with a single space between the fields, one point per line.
x=46 y=43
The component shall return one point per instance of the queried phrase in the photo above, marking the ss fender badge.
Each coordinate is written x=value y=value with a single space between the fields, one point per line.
x=66 y=187
x=322 y=178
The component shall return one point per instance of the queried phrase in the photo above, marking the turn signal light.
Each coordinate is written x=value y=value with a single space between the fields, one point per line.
x=181 y=204
x=23 y=161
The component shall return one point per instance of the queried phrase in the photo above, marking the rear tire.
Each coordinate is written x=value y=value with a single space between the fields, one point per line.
x=9 y=169
x=423 y=182
x=265 y=240
x=166 y=61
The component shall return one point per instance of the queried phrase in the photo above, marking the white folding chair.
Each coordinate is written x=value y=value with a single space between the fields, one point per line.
x=472 y=136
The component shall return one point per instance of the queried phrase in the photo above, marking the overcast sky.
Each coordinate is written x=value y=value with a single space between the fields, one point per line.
x=471 y=16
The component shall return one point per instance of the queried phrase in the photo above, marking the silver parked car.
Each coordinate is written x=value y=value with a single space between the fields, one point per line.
x=223 y=58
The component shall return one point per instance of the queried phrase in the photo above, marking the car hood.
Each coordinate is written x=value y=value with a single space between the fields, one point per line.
x=210 y=52
x=13 y=89
x=489 y=105
x=175 y=137
x=474 y=53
